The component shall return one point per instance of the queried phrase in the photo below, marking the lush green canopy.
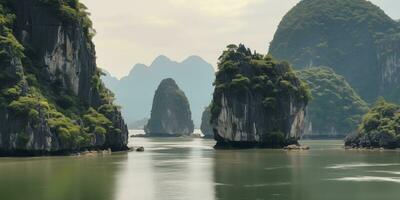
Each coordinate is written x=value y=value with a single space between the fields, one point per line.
x=336 y=109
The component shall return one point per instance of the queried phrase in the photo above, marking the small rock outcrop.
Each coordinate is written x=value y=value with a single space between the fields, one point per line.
x=380 y=128
x=170 y=114
x=52 y=100
x=206 y=127
x=257 y=101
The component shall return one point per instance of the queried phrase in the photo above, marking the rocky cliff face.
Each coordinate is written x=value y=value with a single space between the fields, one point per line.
x=52 y=98
x=389 y=64
x=206 y=127
x=170 y=114
x=257 y=102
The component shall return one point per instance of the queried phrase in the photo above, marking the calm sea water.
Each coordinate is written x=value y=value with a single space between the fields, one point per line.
x=190 y=169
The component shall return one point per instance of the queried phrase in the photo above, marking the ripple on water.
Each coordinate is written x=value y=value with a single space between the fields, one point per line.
x=368 y=179
x=268 y=184
x=358 y=165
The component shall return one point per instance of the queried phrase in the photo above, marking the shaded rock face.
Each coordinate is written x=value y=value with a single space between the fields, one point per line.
x=58 y=55
x=206 y=127
x=328 y=33
x=336 y=109
x=257 y=102
x=170 y=114
x=63 y=50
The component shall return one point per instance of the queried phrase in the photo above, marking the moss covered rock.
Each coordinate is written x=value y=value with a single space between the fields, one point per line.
x=257 y=102
x=170 y=114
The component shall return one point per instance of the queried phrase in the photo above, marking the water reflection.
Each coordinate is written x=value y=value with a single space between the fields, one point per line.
x=251 y=174
x=168 y=169
x=62 y=178
x=174 y=169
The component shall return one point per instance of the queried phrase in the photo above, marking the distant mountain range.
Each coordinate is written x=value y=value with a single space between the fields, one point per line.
x=135 y=92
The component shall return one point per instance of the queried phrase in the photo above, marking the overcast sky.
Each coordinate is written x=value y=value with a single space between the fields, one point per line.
x=137 y=31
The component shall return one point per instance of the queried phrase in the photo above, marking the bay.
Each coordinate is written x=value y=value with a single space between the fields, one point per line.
x=186 y=168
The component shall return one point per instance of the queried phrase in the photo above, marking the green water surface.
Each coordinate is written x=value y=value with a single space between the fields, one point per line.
x=190 y=169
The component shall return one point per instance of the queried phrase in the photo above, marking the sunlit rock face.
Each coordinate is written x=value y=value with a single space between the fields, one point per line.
x=257 y=102
x=170 y=114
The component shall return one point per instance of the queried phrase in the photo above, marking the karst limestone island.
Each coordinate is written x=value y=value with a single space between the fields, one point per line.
x=257 y=102
x=353 y=37
x=52 y=99
x=170 y=114
x=358 y=41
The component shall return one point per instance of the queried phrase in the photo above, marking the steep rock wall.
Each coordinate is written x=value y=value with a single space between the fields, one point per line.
x=58 y=56
x=258 y=102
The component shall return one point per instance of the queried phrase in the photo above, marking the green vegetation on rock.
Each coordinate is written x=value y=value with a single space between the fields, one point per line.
x=268 y=77
x=380 y=127
x=345 y=35
x=71 y=12
x=258 y=98
x=42 y=106
x=336 y=109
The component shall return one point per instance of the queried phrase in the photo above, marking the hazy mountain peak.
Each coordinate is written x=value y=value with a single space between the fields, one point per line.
x=161 y=60
x=195 y=59
x=135 y=91
x=138 y=68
